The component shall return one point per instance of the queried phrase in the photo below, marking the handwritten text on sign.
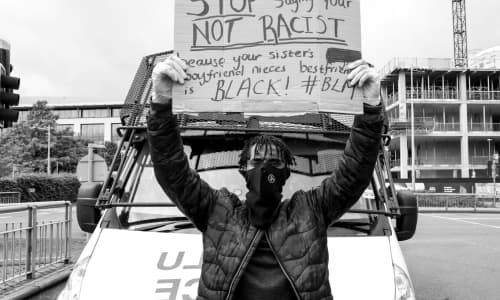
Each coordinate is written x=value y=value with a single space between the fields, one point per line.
x=267 y=55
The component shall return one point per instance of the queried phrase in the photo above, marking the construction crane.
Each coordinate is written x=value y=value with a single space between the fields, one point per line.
x=460 y=33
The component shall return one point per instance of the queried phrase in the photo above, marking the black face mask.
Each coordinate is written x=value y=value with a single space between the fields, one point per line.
x=265 y=184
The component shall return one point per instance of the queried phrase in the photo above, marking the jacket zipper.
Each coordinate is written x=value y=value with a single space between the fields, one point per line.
x=243 y=263
x=282 y=268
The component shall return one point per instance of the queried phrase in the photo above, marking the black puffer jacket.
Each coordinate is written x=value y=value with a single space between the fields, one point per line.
x=297 y=236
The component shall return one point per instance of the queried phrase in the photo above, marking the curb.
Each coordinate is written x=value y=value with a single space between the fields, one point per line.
x=38 y=285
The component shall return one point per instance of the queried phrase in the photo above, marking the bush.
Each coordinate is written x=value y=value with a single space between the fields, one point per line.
x=42 y=187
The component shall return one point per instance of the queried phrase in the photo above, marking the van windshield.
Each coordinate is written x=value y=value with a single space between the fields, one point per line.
x=220 y=170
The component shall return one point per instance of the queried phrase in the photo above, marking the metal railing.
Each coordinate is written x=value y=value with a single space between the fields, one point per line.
x=484 y=127
x=429 y=161
x=473 y=160
x=432 y=94
x=392 y=98
x=423 y=126
x=10 y=198
x=453 y=200
x=452 y=126
x=479 y=160
x=417 y=63
x=26 y=249
x=483 y=95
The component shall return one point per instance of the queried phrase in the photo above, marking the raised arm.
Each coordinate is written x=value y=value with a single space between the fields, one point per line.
x=342 y=189
x=185 y=188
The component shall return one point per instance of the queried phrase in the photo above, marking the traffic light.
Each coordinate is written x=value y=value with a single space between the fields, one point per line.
x=7 y=85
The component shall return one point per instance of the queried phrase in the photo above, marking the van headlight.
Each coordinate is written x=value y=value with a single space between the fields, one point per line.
x=72 y=289
x=404 y=288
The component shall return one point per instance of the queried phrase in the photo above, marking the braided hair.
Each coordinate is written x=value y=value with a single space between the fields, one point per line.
x=266 y=141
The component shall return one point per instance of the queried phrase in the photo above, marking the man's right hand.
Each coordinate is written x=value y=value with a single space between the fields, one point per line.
x=164 y=74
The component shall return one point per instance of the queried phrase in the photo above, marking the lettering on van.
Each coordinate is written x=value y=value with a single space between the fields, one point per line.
x=169 y=288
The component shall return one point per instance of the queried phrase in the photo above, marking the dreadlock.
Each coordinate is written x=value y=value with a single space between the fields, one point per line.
x=266 y=141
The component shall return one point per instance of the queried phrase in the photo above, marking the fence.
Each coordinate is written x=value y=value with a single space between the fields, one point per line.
x=10 y=197
x=36 y=246
x=449 y=200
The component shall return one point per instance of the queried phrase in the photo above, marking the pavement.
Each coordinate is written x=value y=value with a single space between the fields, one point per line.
x=33 y=288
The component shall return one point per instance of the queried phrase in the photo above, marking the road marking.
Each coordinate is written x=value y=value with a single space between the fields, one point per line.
x=465 y=221
x=476 y=218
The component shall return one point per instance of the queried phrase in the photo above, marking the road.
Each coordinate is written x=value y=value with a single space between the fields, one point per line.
x=452 y=256
x=455 y=256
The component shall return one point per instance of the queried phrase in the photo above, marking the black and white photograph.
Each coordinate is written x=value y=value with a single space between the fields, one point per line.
x=249 y=149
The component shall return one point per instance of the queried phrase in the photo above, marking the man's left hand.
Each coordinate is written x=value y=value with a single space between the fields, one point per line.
x=364 y=77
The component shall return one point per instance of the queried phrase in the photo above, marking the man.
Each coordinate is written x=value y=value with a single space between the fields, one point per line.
x=263 y=248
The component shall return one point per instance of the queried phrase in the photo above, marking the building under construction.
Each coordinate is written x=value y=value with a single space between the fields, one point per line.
x=456 y=114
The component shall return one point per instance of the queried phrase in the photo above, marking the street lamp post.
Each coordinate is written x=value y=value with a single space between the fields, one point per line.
x=413 y=150
x=489 y=152
x=48 y=151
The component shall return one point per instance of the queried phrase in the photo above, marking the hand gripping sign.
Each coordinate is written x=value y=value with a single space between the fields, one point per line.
x=267 y=55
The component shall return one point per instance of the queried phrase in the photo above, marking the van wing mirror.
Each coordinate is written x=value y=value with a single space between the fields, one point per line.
x=87 y=213
x=406 y=223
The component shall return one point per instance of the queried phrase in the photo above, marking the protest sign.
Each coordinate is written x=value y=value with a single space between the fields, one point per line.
x=267 y=55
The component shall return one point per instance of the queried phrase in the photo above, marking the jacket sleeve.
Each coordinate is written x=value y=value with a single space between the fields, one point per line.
x=342 y=189
x=192 y=195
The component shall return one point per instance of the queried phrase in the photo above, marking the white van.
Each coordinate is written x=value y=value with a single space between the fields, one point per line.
x=142 y=247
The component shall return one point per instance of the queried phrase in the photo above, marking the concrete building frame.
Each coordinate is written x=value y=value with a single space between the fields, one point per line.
x=456 y=111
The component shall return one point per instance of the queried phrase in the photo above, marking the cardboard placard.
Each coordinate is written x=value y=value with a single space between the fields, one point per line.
x=267 y=55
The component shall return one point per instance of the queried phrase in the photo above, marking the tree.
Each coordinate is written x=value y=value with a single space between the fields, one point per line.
x=24 y=146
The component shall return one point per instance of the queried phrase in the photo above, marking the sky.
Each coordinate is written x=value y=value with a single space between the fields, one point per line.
x=89 y=49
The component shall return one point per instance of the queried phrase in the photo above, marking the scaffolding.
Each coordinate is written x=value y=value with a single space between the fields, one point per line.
x=460 y=33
